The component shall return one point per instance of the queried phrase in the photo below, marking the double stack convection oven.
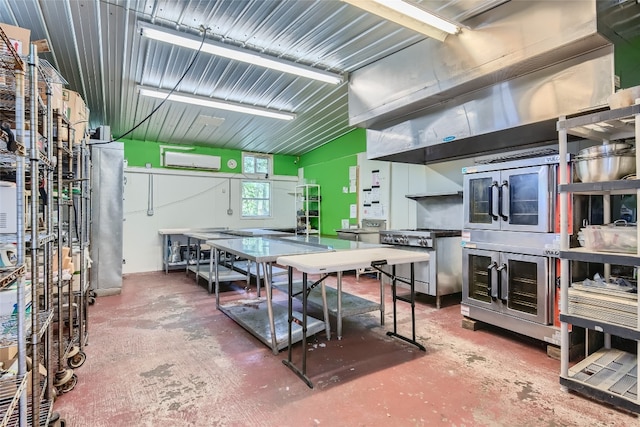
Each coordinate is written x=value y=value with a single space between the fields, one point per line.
x=511 y=244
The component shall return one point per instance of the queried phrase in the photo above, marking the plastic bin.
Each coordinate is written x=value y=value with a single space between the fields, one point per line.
x=610 y=238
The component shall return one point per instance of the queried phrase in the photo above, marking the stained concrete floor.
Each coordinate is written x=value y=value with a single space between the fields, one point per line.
x=160 y=354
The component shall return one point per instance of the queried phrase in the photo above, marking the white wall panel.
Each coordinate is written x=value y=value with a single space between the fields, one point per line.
x=189 y=200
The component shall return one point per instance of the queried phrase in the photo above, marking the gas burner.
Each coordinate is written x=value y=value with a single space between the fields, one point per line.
x=417 y=238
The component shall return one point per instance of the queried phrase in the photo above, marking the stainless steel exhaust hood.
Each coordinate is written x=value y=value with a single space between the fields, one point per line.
x=518 y=113
x=501 y=84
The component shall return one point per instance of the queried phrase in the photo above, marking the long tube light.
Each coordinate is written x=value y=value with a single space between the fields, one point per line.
x=255 y=58
x=410 y=16
x=214 y=103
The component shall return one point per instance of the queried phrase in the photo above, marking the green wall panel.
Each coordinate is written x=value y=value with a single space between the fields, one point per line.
x=139 y=153
x=351 y=143
x=328 y=166
x=285 y=165
x=627 y=62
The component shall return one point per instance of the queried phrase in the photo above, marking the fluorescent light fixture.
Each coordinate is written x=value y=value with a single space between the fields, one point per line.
x=214 y=103
x=409 y=15
x=219 y=49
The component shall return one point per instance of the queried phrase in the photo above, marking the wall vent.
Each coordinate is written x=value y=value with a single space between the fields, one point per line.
x=191 y=161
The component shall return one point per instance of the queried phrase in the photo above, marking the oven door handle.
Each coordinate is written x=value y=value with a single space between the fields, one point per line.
x=499 y=270
x=490 y=290
x=503 y=200
x=494 y=186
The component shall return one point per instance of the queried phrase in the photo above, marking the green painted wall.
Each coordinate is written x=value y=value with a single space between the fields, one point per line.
x=627 y=62
x=328 y=166
x=139 y=153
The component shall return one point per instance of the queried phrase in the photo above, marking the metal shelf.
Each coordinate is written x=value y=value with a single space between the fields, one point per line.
x=11 y=275
x=46 y=407
x=585 y=255
x=351 y=304
x=610 y=376
x=604 y=124
x=601 y=326
x=36 y=167
x=10 y=390
x=625 y=186
x=254 y=318
x=308 y=199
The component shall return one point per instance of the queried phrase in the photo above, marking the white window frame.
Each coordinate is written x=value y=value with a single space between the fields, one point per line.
x=253 y=173
x=242 y=199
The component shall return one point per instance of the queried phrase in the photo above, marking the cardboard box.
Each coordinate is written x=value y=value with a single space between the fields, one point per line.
x=13 y=370
x=75 y=110
x=19 y=37
x=7 y=354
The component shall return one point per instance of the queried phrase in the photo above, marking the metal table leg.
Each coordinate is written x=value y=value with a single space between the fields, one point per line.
x=412 y=301
x=325 y=310
x=302 y=373
x=339 y=296
x=381 y=298
x=165 y=251
x=213 y=271
x=272 y=322
x=186 y=261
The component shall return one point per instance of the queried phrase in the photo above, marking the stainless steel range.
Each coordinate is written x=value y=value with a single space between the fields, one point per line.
x=442 y=275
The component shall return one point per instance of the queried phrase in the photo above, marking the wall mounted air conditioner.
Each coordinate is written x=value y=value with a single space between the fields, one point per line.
x=192 y=161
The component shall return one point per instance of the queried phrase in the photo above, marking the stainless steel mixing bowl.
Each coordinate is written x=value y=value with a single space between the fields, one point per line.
x=606 y=167
x=603 y=149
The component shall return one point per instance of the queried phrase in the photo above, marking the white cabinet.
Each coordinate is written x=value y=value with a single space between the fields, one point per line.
x=308 y=209
x=610 y=373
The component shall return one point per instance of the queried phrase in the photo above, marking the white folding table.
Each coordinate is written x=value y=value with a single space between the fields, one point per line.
x=340 y=304
x=337 y=262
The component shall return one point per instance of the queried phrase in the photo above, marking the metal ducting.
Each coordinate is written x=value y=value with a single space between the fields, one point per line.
x=499 y=85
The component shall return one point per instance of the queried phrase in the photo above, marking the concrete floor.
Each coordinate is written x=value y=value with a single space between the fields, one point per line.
x=160 y=354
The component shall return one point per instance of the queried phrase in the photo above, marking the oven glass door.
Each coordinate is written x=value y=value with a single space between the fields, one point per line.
x=525 y=286
x=481 y=193
x=525 y=195
x=480 y=278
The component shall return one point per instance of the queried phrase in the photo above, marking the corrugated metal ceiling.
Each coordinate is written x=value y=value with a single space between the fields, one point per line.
x=97 y=47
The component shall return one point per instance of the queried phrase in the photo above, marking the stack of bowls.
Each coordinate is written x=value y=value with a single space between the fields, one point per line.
x=606 y=162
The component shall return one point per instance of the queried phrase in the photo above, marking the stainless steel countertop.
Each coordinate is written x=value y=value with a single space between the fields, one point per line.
x=164 y=231
x=333 y=243
x=260 y=249
x=257 y=232
x=214 y=235
x=357 y=231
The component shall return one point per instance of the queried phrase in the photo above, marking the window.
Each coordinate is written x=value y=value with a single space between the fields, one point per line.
x=256 y=199
x=256 y=164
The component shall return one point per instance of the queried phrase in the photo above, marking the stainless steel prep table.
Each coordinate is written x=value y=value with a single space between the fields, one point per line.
x=258 y=232
x=334 y=262
x=247 y=265
x=166 y=233
x=259 y=316
x=340 y=304
x=225 y=274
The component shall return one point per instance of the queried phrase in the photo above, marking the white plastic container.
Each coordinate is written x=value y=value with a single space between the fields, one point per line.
x=610 y=238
